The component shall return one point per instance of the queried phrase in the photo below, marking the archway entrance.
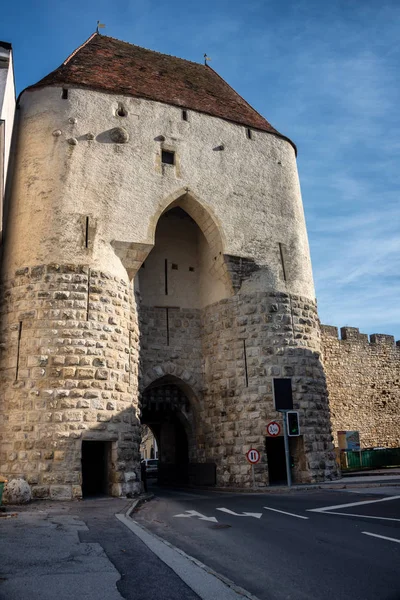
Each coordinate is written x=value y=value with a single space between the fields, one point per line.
x=167 y=410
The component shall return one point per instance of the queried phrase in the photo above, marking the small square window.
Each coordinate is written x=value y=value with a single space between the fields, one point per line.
x=174 y=267
x=167 y=157
x=191 y=269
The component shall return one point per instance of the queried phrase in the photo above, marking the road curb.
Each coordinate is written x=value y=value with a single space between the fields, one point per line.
x=142 y=499
x=225 y=580
x=370 y=484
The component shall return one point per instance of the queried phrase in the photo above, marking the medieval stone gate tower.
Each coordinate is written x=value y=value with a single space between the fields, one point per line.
x=155 y=244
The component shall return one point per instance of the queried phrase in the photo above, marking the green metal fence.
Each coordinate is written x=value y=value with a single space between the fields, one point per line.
x=370 y=458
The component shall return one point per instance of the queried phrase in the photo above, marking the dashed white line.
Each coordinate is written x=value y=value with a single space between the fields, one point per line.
x=382 y=537
x=330 y=508
x=329 y=512
x=286 y=513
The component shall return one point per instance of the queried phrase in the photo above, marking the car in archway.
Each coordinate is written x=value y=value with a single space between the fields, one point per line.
x=151 y=466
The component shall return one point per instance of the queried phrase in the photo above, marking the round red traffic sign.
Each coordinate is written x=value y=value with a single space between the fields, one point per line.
x=253 y=456
x=273 y=429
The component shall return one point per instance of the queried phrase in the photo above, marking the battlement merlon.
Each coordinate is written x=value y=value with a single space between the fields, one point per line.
x=352 y=334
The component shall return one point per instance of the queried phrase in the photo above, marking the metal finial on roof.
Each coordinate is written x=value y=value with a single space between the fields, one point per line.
x=99 y=26
x=206 y=58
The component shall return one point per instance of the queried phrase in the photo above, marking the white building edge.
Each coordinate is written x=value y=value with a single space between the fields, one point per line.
x=7 y=112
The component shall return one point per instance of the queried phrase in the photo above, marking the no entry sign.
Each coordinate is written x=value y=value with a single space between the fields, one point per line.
x=273 y=429
x=253 y=456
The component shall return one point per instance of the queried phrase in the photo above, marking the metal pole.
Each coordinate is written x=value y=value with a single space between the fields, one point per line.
x=254 y=479
x=287 y=454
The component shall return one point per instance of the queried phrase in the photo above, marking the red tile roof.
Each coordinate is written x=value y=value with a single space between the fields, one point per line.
x=106 y=64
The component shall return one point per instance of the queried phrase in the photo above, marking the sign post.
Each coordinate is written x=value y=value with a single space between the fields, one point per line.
x=253 y=456
x=283 y=401
x=287 y=453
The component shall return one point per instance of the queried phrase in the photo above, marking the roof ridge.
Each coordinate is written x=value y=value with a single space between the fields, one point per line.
x=79 y=48
x=109 y=37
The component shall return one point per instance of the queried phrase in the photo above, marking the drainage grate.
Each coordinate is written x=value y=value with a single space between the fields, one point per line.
x=220 y=526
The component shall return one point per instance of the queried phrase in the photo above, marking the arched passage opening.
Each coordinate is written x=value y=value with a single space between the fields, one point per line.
x=168 y=409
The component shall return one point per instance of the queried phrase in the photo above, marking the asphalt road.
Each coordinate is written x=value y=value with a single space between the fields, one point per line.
x=299 y=556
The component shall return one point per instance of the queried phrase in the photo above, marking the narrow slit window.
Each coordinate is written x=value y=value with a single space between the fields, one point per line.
x=18 y=349
x=281 y=250
x=167 y=157
x=64 y=94
x=184 y=115
x=87 y=233
x=249 y=134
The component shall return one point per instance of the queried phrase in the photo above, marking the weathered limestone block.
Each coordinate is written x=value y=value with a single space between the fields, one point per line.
x=17 y=491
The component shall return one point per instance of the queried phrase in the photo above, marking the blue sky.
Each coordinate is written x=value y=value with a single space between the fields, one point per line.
x=323 y=73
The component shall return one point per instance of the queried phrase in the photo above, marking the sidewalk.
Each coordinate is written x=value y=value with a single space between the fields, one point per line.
x=375 y=477
x=395 y=471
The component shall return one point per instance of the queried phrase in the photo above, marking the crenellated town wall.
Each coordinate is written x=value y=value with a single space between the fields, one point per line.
x=363 y=379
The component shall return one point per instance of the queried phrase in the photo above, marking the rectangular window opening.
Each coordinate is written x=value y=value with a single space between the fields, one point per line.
x=191 y=269
x=249 y=134
x=167 y=157
x=174 y=267
x=64 y=95
x=184 y=115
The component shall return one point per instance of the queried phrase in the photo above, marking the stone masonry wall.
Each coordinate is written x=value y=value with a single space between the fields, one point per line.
x=174 y=349
x=281 y=337
x=170 y=349
x=68 y=363
x=363 y=377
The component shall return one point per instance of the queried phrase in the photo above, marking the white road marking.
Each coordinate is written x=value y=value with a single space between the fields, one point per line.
x=382 y=537
x=245 y=514
x=286 y=513
x=330 y=508
x=360 y=516
x=194 y=513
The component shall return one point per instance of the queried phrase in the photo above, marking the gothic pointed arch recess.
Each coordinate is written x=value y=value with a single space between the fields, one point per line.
x=210 y=240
